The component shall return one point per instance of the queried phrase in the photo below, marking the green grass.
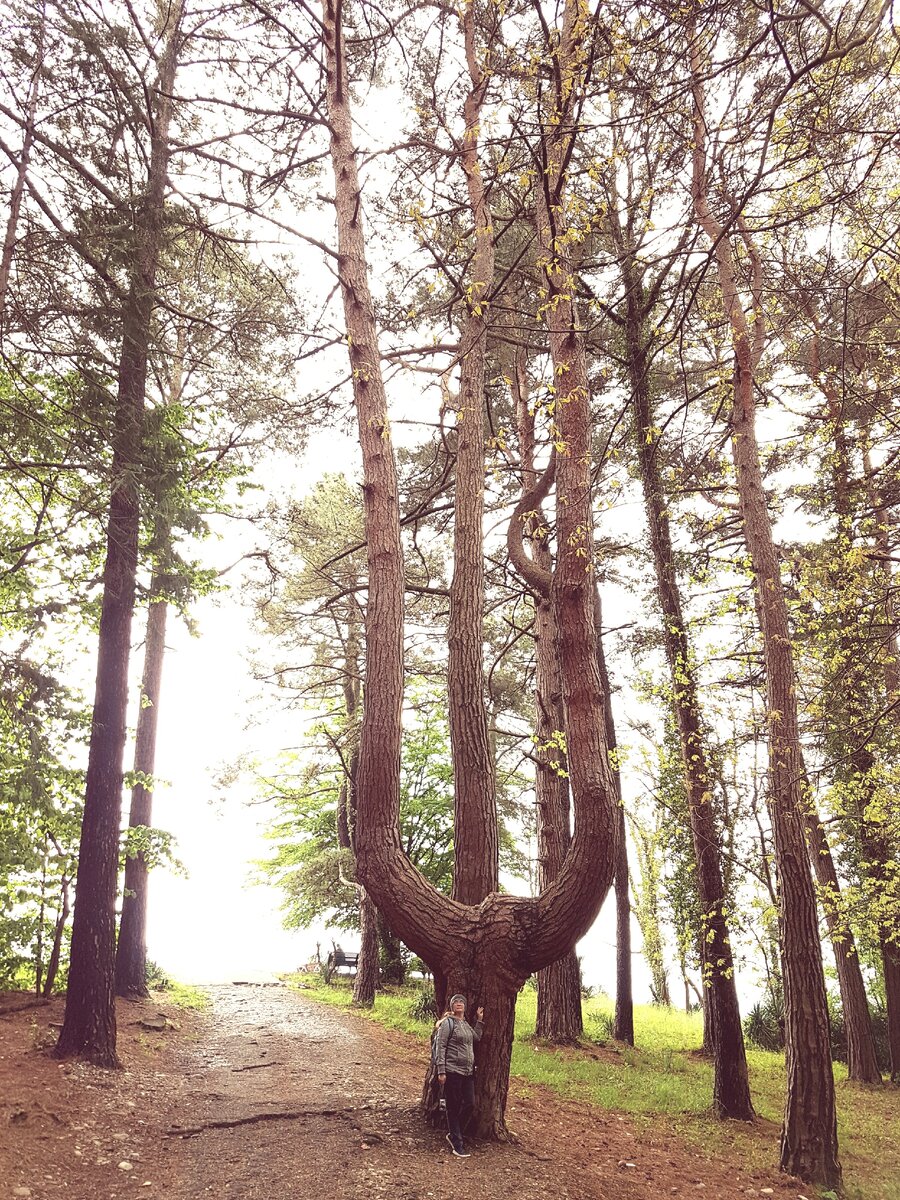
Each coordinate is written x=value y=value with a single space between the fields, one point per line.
x=665 y=1085
x=186 y=995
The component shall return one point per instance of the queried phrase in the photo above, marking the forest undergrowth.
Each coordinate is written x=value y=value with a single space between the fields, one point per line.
x=664 y=1082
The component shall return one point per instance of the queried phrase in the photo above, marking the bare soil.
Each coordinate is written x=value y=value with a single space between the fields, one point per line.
x=269 y=1095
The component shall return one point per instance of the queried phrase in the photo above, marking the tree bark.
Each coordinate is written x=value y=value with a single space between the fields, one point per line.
x=475 y=838
x=862 y=1057
x=559 y=1016
x=809 y=1146
x=722 y=1016
x=623 y=1019
x=366 y=980
x=89 y=1027
x=131 y=949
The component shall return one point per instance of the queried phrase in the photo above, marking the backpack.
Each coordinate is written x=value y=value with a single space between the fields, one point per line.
x=434 y=1038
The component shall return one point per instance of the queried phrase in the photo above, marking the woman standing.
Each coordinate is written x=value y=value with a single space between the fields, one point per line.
x=455 y=1058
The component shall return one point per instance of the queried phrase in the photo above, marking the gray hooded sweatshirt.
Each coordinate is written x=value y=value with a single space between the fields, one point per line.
x=455 y=1046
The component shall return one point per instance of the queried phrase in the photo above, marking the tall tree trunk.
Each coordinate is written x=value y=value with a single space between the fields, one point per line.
x=56 y=949
x=878 y=850
x=475 y=838
x=623 y=1027
x=559 y=1016
x=131 y=948
x=722 y=1017
x=862 y=1057
x=623 y=1020
x=485 y=951
x=366 y=980
x=809 y=1146
x=89 y=1027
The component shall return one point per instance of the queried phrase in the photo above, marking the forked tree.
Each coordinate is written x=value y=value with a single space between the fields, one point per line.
x=487 y=945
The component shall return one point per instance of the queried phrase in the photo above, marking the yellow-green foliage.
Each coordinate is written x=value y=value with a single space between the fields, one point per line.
x=665 y=1084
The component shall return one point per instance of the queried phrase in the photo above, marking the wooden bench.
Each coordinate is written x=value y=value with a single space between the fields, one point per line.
x=339 y=958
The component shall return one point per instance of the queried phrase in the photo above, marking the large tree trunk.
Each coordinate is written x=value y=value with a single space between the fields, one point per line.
x=475 y=836
x=809 y=1145
x=722 y=1017
x=131 y=949
x=89 y=1027
x=559 y=1016
x=486 y=951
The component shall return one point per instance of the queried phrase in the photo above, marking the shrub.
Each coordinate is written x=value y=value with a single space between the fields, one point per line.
x=423 y=1006
x=156 y=977
x=764 y=1026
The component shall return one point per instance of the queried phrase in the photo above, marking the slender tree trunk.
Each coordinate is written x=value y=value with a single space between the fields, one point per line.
x=475 y=837
x=559 y=1016
x=89 y=1027
x=722 y=1017
x=862 y=1057
x=809 y=1146
x=366 y=980
x=131 y=949
x=623 y=1027
x=56 y=949
x=878 y=851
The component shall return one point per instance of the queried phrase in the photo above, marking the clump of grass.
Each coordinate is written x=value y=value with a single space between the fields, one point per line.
x=187 y=995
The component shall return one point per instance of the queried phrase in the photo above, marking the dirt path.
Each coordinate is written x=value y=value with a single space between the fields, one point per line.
x=269 y=1096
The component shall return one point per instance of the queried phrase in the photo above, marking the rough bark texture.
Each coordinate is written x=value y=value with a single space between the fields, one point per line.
x=559 y=1016
x=623 y=1027
x=809 y=1145
x=486 y=951
x=731 y=1085
x=89 y=1028
x=366 y=980
x=475 y=837
x=131 y=948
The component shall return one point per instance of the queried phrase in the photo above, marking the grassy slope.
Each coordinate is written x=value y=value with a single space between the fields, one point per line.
x=664 y=1084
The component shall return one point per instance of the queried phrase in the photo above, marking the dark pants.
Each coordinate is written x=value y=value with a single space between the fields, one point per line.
x=459 y=1092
